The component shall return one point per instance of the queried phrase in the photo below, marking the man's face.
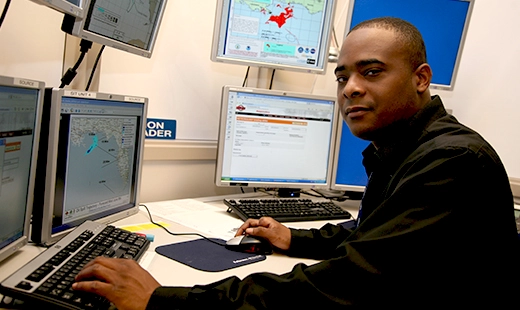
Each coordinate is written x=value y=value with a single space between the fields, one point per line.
x=376 y=84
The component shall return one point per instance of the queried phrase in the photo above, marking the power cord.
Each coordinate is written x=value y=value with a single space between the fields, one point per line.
x=245 y=78
x=94 y=68
x=4 y=12
x=67 y=78
x=177 y=234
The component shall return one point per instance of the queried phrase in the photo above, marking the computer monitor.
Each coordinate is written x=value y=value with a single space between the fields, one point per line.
x=348 y=172
x=71 y=7
x=89 y=163
x=290 y=35
x=275 y=139
x=20 y=116
x=443 y=24
x=130 y=26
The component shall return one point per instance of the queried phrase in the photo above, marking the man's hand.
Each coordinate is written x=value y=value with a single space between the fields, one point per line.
x=122 y=281
x=268 y=228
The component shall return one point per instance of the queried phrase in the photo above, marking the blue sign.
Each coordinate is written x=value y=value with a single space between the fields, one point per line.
x=161 y=128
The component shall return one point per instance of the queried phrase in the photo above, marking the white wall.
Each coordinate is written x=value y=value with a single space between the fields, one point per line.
x=182 y=83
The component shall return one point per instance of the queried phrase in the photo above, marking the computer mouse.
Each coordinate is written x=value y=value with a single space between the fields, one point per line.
x=250 y=244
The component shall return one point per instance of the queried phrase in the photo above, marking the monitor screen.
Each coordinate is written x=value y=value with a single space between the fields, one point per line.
x=20 y=107
x=291 y=35
x=348 y=172
x=275 y=139
x=131 y=26
x=71 y=7
x=90 y=166
x=443 y=24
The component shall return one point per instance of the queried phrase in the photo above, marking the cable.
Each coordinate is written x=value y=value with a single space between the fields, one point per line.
x=177 y=234
x=4 y=12
x=334 y=37
x=94 y=68
x=245 y=78
x=85 y=45
x=272 y=78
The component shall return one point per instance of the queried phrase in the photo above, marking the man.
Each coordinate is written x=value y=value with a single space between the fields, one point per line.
x=436 y=227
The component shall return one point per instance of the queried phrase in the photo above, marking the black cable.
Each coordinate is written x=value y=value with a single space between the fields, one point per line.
x=272 y=78
x=334 y=37
x=245 y=78
x=4 y=12
x=85 y=45
x=177 y=234
x=94 y=68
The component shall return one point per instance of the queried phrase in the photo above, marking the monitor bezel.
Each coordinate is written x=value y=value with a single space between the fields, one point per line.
x=64 y=6
x=40 y=86
x=222 y=131
x=451 y=85
x=337 y=146
x=219 y=32
x=43 y=233
x=75 y=27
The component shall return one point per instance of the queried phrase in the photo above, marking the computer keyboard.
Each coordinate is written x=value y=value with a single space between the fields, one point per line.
x=287 y=209
x=47 y=279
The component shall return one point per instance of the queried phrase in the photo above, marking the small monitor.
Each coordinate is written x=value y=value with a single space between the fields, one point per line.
x=70 y=7
x=89 y=164
x=20 y=115
x=348 y=172
x=442 y=23
x=290 y=35
x=275 y=139
x=130 y=26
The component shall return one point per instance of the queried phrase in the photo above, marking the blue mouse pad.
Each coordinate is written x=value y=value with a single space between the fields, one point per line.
x=207 y=256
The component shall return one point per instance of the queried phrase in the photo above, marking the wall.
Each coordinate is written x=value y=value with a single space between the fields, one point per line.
x=182 y=83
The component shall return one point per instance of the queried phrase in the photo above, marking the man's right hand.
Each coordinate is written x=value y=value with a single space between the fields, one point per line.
x=266 y=227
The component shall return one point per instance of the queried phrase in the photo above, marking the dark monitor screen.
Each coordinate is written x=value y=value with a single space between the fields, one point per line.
x=93 y=160
x=443 y=24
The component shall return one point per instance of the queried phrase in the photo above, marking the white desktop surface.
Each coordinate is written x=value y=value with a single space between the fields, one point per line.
x=172 y=273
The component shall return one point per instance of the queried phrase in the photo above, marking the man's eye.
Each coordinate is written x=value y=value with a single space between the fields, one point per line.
x=341 y=79
x=372 y=72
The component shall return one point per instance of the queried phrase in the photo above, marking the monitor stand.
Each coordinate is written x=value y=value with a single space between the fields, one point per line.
x=288 y=192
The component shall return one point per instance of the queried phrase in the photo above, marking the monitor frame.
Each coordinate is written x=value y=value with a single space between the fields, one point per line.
x=77 y=27
x=221 y=26
x=8 y=81
x=226 y=90
x=47 y=169
x=64 y=6
x=430 y=47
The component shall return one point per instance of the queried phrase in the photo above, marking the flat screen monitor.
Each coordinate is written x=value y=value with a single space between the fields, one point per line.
x=130 y=26
x=443 y=24
x=70 y=7
x=290 y=35
x=275 y=139
x=20 y=115
x=348 y=172
x=89 y=165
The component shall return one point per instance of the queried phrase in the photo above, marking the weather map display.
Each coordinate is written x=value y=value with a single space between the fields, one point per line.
x=100 y=163
x=292 y=34
x=130 y=21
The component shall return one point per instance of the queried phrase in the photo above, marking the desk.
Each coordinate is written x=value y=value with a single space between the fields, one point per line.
x=171 y=273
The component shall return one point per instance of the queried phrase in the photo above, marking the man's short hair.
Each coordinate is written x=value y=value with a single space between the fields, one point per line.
x=409 y=35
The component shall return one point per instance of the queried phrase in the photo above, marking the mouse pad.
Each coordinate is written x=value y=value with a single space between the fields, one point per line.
x=207 y=256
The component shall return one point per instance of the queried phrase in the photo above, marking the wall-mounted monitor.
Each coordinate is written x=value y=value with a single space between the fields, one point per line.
x=71 y=7
x=443 y=24
x=130 y=26
x=89 y=161
x=20 y=115
x=275 y=139
x=348 y=172
x=282 y=34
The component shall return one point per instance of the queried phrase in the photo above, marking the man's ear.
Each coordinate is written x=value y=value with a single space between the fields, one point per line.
x=423 y=73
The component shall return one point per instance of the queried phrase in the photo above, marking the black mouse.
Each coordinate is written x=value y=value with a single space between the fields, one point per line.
x=250 y=244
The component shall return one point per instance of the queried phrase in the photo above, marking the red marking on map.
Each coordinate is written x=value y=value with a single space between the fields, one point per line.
x=282 y=18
